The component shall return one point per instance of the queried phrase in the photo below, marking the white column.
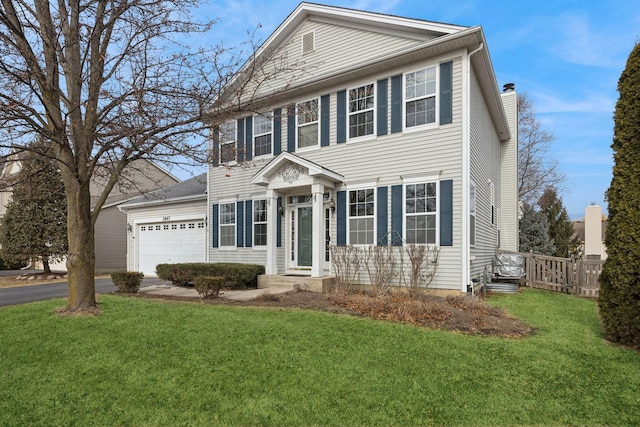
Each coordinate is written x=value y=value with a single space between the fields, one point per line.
x=317 y=255
x=272 y=229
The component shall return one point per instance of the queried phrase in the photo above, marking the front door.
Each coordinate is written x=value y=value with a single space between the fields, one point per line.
x=305 y=236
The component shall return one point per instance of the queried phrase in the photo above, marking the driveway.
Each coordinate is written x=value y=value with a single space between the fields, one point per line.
x=25 y=294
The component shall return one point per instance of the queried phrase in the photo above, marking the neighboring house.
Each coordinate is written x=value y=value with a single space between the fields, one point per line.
x=167 y=226
x=111 y=226
x=591 y=231
x=394 y=133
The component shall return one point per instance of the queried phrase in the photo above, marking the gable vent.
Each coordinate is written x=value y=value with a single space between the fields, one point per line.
x=308 y=42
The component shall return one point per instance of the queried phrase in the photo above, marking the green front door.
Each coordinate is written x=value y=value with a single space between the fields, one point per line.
x=305 y=236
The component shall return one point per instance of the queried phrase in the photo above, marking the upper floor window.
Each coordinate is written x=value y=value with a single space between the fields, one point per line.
x=228 y=134
x=227 y=224
x=361 y=111
x=420 y=212
x=260 y=223
x=262 y=128
x=420 y=97
x=361 y=216
x=308 y=123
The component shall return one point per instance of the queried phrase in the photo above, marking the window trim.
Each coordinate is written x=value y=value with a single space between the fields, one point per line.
x=316 y=122
x=221 y=225
x=369 y=186
x=421 y=180
x=373 y=110
x=269 y=117
x=436 y=95
x=234 y=141
x=254 y=222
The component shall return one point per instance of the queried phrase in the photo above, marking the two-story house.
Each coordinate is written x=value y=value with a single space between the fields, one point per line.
x=369 y=129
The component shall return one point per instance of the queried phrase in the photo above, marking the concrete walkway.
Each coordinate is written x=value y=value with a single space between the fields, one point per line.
x=180 y=292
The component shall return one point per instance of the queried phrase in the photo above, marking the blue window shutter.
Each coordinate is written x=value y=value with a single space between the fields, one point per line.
x=341 y=116
x=396 y=103
x=277 y=131
x=397 y=213
x=248 y=155
x=325 y=116
x=291 y=128
x=279 y=224
x=214 y=226
x=446 y=95
x=248 y=220
x=382 y=214
x=215 y=147
x=382 y=106
x=446 y=213
x=341 y=210
x=239 y=224
x=240 y=141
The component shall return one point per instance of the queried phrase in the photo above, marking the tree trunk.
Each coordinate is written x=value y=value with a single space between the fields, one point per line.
x=81 y=259
x=45 y=265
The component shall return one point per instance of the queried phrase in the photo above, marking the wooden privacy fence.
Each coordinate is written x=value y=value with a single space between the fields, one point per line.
x=563 y=274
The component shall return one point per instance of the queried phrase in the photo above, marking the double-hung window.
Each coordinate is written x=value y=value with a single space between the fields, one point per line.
x=262 y=127
x=308 y=128
x=361 y=111
x=361 y=216
x=421 y=202
x=228 y=224
x=259 y=223
x=228 y=134
x=420 y=97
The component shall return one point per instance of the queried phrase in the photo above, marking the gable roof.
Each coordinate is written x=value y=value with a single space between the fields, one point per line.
x=191 y=189
x=431 y=39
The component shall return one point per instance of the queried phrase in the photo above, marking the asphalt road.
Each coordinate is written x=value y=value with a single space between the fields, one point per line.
x=25 y=294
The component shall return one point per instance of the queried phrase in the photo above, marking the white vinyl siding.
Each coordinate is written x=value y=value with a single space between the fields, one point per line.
x=382 y=160
x=484 y=169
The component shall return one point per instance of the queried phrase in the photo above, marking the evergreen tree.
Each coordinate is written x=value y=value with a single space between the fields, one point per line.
x=560 y=229
x=534 y=236
x=35 y=226
x=619 y=300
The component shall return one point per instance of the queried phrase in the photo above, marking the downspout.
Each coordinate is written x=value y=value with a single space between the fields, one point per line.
x=466 y=171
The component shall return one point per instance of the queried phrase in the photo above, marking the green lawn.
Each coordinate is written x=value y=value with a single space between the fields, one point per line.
x=144 y=362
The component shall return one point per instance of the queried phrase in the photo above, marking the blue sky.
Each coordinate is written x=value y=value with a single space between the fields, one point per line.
x=566 y=55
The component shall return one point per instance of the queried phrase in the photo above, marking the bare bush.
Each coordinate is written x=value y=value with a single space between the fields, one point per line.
x=423 y=261
x=380 y=262
x=346 y=261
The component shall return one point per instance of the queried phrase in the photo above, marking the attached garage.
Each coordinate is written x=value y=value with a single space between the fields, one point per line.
x=167 y=226
x=169 y=242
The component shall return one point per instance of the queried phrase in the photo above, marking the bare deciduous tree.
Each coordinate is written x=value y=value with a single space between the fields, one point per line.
x=536 y=169
x=108 y=83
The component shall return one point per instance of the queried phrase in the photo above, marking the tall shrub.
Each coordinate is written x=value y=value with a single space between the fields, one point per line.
x=620 y=280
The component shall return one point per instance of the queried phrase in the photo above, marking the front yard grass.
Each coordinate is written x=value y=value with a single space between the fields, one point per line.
x=146 y=362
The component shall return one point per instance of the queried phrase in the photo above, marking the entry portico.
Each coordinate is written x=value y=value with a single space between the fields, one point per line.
x=306 y=193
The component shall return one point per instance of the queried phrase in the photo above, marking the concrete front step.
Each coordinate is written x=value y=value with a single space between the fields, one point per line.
x=303 y=283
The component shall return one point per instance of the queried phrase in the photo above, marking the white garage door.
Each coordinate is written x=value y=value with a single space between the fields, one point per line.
x=170 y=242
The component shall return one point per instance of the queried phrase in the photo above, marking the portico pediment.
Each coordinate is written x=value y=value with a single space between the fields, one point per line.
x=288 y=170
